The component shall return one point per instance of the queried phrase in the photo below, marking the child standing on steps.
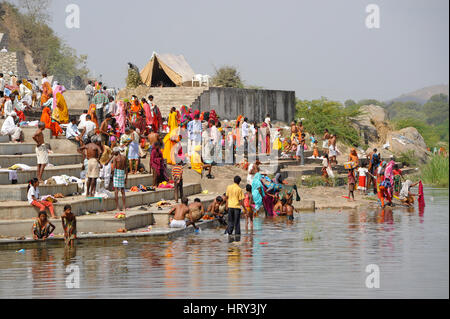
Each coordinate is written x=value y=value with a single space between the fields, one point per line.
x=69 y=224
x=351 y=185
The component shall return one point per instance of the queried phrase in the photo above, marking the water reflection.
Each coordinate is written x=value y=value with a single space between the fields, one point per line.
x=274 y=259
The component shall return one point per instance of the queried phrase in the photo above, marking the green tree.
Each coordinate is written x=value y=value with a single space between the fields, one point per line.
x=436 y=109
x=324 y=114
x=133 y=79
x=227 y=76
x=349 y=103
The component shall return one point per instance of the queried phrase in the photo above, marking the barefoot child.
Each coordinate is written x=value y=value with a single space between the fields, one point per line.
x=120 y=176
x=33 y=198
x=69 y=224
x=177 y=175
x=351 y=185
x=248 y=207
x=42 y=228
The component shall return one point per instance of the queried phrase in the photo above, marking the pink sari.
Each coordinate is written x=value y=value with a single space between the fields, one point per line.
x=121 y=116
x=148 y=114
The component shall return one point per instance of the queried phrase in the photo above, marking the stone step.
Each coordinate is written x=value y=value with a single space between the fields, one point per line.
x=30 y=159
x=19 y=192
x=103 y=222
x=24 y=176
x=28 y=132
x=14 y=148
x=19 y=210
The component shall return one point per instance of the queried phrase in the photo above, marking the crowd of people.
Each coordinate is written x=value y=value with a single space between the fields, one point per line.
x=115 y=136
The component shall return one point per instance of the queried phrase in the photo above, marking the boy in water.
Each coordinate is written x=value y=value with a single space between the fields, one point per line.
x=217 y=209
x=69 y=224
x=120 y=176
x=248 y=207
x=288 y=210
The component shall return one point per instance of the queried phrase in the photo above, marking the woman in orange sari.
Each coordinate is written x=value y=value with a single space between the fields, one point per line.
x=47 y=92
x=135 y=109
x=91 y=112
x=53 y=126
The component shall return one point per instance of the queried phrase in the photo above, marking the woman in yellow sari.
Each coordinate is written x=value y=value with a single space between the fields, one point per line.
x=170 y=141
x=173 y=119
x=60 y=112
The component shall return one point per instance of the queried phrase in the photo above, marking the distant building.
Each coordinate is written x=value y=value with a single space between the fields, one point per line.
x=11 y=61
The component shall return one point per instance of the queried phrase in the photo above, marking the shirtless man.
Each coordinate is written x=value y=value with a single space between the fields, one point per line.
x=120 y=176
x=278 y=207
x=41 y=151
x=152 y=139
x=180 y=211
x=197 y=210
x=217 y=209
x=93 y=154
x=104 y=129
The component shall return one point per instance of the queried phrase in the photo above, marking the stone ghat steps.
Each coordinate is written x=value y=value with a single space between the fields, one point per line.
x=31 y=160
x=18 y=192
x=19 y=210
x=299 y=171
x=104 y=222
x=28 y=132
x=24 y=176
x=14 y=148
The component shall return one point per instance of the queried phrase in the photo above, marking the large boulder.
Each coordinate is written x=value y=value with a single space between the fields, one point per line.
x=372 y=117
x=407 y=140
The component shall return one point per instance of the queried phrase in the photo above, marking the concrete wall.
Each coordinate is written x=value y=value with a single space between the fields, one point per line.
x=229 y=103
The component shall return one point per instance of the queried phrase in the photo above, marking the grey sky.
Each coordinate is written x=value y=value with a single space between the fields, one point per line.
x=317 y=48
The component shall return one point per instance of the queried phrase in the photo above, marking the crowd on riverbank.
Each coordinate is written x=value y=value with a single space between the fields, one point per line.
x=116 y=136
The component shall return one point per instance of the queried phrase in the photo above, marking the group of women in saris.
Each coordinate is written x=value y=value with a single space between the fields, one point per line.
x=266 y=192
x=55 y=111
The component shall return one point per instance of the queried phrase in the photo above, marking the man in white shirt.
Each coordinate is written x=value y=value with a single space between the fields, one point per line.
x=10 y=128
x=72 y=132
x=8 y=106
x=87 y=128
x=195 y=133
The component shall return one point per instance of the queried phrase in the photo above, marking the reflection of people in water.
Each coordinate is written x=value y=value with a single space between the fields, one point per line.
x=69 y=255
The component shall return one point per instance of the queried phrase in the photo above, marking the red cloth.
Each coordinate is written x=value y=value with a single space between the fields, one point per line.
x=421 y=199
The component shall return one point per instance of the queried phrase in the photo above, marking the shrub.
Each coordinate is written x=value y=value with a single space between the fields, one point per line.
x=435 y=172
x=133 y=79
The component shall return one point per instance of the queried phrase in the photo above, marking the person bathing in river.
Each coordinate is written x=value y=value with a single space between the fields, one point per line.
x=406 y=197
x=218 y=208
x=197 y=210
x=180 y=211
x=248 y=207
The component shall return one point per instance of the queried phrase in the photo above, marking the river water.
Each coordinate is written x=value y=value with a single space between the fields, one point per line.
x=320 y=255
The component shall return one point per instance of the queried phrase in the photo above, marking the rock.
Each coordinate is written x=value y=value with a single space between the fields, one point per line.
x=366 y=124
x=406 y=140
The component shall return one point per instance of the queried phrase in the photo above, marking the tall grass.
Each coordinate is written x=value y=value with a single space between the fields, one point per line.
x=435 y=172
